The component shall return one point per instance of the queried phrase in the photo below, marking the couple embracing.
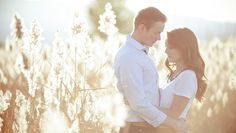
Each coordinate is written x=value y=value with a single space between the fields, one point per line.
x=153 y=109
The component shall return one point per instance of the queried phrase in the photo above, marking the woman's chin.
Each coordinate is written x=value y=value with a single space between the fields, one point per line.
x=170 y=61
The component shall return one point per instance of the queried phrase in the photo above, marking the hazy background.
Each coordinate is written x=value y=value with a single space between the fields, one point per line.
x=208 y=18
x=36 y=68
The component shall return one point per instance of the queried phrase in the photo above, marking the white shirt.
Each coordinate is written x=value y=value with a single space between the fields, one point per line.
x=185 y=84
x=138 y=81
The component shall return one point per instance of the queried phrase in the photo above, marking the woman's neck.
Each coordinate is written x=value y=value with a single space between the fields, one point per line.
x=177 y=71
x=180 y=67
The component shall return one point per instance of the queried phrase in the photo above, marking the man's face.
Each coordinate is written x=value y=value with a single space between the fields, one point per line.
x=151 y=35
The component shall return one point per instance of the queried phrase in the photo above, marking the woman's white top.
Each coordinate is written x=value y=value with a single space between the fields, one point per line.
x=185 y=84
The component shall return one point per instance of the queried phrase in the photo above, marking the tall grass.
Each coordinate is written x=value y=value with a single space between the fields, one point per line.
x=69 y=85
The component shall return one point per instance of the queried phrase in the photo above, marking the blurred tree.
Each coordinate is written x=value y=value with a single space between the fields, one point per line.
x=124 y=17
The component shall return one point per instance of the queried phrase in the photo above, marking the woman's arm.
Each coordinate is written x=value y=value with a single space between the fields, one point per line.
x=177 y=107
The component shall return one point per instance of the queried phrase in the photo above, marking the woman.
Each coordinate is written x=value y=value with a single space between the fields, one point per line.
x=186 y=73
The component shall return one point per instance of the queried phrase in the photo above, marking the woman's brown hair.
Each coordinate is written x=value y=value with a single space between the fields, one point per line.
x=186 y=42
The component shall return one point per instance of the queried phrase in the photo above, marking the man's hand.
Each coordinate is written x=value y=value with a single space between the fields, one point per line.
x=179 y=125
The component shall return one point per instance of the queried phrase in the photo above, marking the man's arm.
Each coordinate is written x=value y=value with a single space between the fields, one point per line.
x=132 y=84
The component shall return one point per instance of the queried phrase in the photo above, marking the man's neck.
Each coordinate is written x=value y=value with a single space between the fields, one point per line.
x=136 y=37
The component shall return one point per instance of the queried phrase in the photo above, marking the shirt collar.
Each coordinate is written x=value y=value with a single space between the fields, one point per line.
x=135 y=44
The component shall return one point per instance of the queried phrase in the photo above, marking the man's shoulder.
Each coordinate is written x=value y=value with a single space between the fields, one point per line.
x=126 y=50
x=127 y=56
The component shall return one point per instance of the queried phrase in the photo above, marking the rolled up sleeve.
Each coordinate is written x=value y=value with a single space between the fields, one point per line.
x=132 y=84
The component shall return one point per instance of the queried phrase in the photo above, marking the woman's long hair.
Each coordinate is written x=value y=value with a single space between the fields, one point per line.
x=186 y=42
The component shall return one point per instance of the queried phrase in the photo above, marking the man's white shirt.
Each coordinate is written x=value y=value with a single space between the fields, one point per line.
x=138 y=82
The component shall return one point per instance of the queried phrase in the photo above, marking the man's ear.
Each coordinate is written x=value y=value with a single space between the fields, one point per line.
x=142 y=27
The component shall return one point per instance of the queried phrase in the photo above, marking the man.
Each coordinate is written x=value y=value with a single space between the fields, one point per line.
x=137 y=76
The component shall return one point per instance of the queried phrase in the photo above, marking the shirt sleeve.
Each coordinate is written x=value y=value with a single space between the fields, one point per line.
x=131 y=79
x=186 y=84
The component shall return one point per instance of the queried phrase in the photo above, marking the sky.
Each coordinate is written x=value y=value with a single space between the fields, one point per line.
x=213 y=10
x=53 y=15
x=56 y=15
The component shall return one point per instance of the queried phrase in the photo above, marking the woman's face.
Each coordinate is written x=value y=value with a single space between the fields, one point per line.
x=174 y=55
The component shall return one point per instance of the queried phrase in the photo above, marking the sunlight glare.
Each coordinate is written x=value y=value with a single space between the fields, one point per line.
x=62 y=11
x=53 y=122
x=214 y=10
x=209 y=112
